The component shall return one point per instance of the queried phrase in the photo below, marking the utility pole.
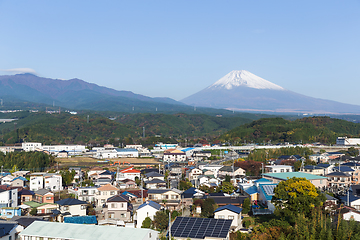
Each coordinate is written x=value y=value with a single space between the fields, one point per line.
x=142 y=189
x=87 y=119
x=169 y=225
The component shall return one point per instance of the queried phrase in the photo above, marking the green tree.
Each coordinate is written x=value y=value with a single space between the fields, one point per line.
x=146 y=223
x=227 y=178
x=33 y=211
x=227 y=187
x=207 y=207
x=185 y=185
x=161 y=220
x=296 y=195
x=246 y=206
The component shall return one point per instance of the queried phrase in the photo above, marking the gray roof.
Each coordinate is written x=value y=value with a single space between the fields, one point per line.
x=84 y=232
x=42 y=191
x=153 y=174
x=6 y=227
x=155 y=180
x=70 y=201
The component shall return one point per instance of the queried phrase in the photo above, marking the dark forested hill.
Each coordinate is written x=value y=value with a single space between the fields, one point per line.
x=277 y=130
x=66 y=128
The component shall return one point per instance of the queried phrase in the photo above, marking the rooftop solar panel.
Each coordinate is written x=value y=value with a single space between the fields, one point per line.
x=269 y=189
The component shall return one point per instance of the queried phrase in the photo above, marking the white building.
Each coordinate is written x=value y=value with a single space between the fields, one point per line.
x=212 y=167
x=278 y=168
x=347 y=141
x=8 y=198
x=147 y=209
x=351 y=215
x=71 y=149
x=230 y=212
x=128 y=173
x=127 y=152
x=61 y=231
x=31 y=146
x=51 y=181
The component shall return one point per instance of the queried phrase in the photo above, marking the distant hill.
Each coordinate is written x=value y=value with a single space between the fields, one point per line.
x=244 y=91
x=66 y=128
x=78 y=94
x=305 y=130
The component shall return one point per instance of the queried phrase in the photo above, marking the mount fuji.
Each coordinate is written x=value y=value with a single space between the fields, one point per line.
x=244 y=91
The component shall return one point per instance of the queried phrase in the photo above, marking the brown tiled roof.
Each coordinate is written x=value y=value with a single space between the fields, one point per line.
x=108 y=187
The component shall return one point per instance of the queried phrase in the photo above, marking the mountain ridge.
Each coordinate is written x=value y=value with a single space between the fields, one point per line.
x=232 y=94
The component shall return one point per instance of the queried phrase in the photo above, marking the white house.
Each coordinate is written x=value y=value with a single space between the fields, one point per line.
x=53 y=182
x=212 y=167
x=72 y=206
x=87 y=194
x=278 y=168
x=37 y=181
x=128 y=173
x=230 y=212
x=9 y=198
x=352 y=215
x=147 y=209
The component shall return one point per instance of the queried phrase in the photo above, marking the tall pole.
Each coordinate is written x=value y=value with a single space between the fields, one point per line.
x=169 y=225
x=142 y=189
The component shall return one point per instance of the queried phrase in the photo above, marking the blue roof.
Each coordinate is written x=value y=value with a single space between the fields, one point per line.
x=126 y=150
x=251 y=190
x=21 y=178
x=344 y=169
x=323 y=165
x=81 y=220
x=151 y=204
x=351 y=198
x=126 y=193
x=262 y=180
x=187 y=149
x=229 y=207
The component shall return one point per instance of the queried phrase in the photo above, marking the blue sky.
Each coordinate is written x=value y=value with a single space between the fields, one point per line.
x=176 y=48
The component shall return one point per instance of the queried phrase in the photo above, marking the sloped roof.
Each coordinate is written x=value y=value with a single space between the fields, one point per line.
x=154 y=174
x=154 y=181
x=118 y=198
x=151 y=204
x=42 y=191
x=262 y=180
x=229 y=207
x=286 y=175
x=108 y=187
x=70 y=202
x=251 y=190
x=5 y=228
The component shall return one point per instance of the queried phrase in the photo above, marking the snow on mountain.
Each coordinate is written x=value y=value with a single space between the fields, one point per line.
x=243 y=78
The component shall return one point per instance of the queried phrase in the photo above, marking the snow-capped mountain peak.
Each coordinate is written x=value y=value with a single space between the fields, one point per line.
x=244 y=78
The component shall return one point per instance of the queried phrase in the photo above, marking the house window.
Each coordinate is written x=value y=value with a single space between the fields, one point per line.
x=123 y=215
x=113 y=205
x=83 y=207
x=231 y=217
x=221 y=217
x=66 y=208
x=111 y=215
x=112 y=193
x=48 y=198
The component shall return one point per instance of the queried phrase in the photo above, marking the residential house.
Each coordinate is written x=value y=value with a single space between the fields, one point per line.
x=44 y=196
x=193 y=173
x=53 y=181
x=25 y=196
x=9 y=212
x=118 y=208
x=199 y=155
x=61 y=231
x=37 y=181
x=174 y=155
x=87 y=194
x=72 y=206
x=154 y=175
x=18 y=182
x=6 y=180
x=8 y=230
x=9 y=197
x=137 y=196
x=339 y=179
x=278 y=168
x=127 y=184
x=128 y=173
x=232 y=172
x=104 y=193
x=21 y=173
x=230 y=212
x=222 y=200
x=214 y=168
x=147 y=209
x=266 y=192
x=170 y=198
x=188 y=195
x=319 y=158
x=155 y=184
